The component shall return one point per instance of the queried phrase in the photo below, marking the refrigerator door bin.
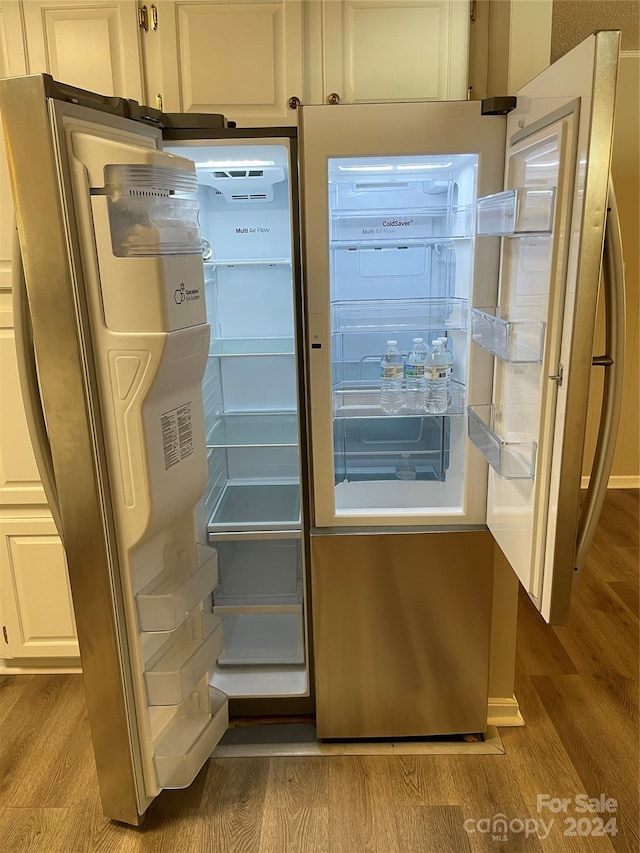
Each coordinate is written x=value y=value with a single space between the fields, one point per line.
x=258 y=571
x=259 y=506
x=270 y=635
x=524 y=210
x=189 y=739
x=166 y=601
x=509 y=337
x=502 y=435
x=179 y=665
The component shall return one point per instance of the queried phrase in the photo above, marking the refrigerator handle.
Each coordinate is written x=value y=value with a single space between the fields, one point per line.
x=28 y=376
x=613 y=364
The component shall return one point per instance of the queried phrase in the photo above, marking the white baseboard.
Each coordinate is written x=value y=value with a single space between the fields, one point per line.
x=617 y=481
x=504 y=712
x=39 y=667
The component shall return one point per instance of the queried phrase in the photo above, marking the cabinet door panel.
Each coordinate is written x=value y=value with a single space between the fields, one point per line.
x=240 y=59
x=34 y=586
x=90 y=45
x=382 y=50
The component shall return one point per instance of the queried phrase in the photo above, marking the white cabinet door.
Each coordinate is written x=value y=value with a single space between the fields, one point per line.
x=383 y=50
x=37 y=612
x=86 y=43
x=242 y=59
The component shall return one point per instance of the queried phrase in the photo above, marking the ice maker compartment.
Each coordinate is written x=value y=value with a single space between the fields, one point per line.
x=502 y=435
x=508 y=337
x=523 y=210
x=166 y=601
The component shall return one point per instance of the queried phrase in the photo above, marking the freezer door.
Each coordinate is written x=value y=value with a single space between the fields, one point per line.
x=113 y=268
x=551 y=218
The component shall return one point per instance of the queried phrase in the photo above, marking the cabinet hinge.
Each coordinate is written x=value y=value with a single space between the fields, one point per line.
x=148 y=18
x=5 y=635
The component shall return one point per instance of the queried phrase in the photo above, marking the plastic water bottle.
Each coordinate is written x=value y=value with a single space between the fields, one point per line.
x=391 y=373
x=438 y=373
x=445 y=348
x=404 y=469
x=416 y=384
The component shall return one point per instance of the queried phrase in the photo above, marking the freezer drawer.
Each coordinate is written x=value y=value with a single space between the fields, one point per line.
x=401 y=632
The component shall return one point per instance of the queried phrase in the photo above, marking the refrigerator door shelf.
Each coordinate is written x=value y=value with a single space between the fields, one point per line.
x=240 y=347
x=178 y=667
x=365 y=403
x=415 y=315
x=503 y=437
x=257 y=430
x=508 y=335
x=270 y=635
x=523 y=210
x=171 y=596
x=189 y=739
x=257 y=506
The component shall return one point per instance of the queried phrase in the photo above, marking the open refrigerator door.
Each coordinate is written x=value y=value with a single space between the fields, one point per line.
x=551 y=219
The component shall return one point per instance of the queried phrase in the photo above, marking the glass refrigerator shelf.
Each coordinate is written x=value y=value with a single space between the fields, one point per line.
x=365 y=403
x=503 y=436
x=254 y=430
x=239 y=347
x=507 y=336
x=250 y=262
x=257 y=506
x=400 y=314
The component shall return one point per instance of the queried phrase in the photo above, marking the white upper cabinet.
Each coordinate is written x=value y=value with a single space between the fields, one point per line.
x=92 y=45
x=384 y=50
x=240 y=59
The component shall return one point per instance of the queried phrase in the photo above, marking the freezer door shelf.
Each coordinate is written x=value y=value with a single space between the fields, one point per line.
x=502 y=435
x=178 y=666
x=508 y=335
x=254 y=430
x=189 y=739
x=167 y=600
x=256 y=506
x=262 y=635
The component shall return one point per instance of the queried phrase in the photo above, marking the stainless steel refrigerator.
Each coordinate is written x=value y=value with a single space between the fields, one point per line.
x=241 y=516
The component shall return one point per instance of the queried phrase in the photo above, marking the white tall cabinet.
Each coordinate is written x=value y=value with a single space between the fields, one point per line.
x=245 y=59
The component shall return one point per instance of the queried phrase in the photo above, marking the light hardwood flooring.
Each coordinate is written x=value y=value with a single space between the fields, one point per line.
x=578 y=691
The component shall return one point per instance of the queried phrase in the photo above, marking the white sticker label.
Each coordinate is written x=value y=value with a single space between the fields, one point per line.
x=177 y=434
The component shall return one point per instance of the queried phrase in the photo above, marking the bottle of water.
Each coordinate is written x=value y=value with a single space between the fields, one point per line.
x=391 y=373
x=416 y=384
x=404 y=469
x=445 y=348
x=437 y=372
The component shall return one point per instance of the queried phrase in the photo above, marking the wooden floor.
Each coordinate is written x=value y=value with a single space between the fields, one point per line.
x=578 y=690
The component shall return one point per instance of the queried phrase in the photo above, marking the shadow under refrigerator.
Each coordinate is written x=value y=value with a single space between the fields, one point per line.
x=210 y=431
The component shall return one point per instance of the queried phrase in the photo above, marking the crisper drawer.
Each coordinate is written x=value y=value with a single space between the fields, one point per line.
x=262 y=635
x=184 y=659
